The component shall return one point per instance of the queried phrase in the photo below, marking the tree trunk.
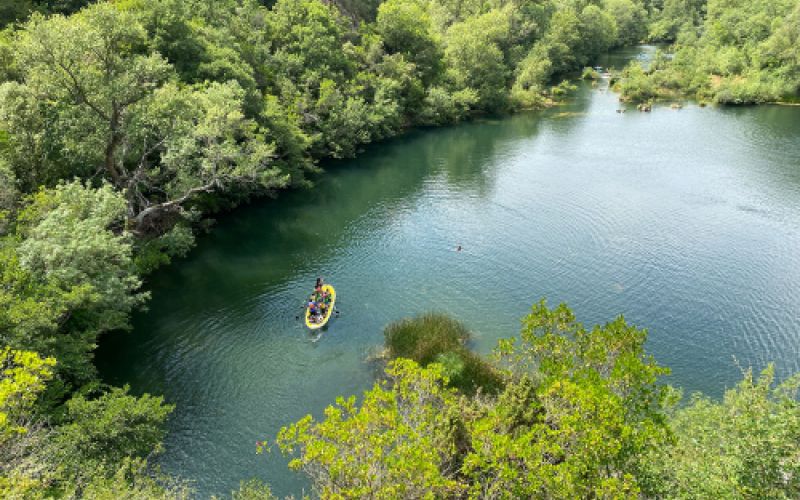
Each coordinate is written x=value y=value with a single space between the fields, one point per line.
x=111 y=150
x=156 y=219
x=159 y=218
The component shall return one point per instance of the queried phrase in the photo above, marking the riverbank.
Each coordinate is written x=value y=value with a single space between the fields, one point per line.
x=737 y=53
x=159 y=114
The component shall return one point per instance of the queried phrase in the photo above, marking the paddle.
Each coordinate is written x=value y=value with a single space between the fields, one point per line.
x=297 y=317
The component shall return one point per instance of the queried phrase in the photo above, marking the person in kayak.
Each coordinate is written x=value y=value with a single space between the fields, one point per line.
x=319 y=285
x=313 y=308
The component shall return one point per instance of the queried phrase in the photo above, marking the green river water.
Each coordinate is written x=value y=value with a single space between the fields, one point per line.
x=685 y=221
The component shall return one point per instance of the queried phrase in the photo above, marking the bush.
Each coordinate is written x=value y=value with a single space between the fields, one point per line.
x=425 y=337
x=563 y=88
x=590 y=73
x=441 y=106
x=437 y=338
x=475 y=373
x=530 y=98
x=635 y=85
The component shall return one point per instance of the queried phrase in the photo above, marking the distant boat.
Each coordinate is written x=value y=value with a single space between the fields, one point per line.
x=320 y=322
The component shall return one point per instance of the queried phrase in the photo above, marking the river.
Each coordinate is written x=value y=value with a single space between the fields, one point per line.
x=685 y=221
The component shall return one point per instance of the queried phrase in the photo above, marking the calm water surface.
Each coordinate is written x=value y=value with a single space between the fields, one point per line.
x=687 y=222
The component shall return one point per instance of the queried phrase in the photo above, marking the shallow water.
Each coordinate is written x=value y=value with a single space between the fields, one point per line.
x=686 y=221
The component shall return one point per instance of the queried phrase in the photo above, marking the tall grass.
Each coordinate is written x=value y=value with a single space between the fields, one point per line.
x=434 y=337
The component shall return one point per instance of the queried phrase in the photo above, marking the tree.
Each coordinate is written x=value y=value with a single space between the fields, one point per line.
x=578 y=410
x=308 y=39
x=560 y=440
x=631 y=20
x=23 y=376
x=741 y=52
x=676 y=16
x=406 y=28
x=553 y=346
x=99 y=434
x=598 y=32
x=252 y=489
x=475 y=57
x=781 y=54
x=206 y=145
x=61 y=6
x=67 y=276
x=22 y=380
x=581 y=408
x=133 y=479
x=745 y=446
x=400 y=443
x=94 y=99
x=562 y=41
x=94 y=68
x=315 y=66
x=14 y=10
x=98 y=452
x=8 y=195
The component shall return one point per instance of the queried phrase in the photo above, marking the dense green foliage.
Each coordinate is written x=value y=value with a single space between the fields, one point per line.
x=581 y=414
x=124 y=123
x=67 y=277
x=171 y=101
x=24 y=375
x=739 y=52
x=744 y=447
x=19 y=10
x=97 y=450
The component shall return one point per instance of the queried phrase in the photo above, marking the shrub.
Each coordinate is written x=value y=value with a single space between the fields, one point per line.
x=425 y=337
x=437 y=338
x=590 y=73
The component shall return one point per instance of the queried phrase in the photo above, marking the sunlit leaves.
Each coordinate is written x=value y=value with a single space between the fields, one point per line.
x=577 y=411
x=23 y=376
x=746 y=446
x=399 y=443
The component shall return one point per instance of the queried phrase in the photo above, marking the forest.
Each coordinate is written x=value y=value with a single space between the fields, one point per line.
x=126 y=125
x=729 y=52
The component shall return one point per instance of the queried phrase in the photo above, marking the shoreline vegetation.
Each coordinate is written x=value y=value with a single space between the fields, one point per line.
x=124 y=125
x=724 y=52
x=566 y=412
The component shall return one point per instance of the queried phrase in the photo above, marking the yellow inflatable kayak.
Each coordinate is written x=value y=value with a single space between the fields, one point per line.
x=316 y=322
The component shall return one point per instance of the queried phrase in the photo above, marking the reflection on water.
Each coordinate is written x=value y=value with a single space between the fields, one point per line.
x=687 y=221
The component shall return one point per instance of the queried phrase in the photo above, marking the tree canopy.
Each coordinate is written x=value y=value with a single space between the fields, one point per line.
x=124 y=123
x=725 y=52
